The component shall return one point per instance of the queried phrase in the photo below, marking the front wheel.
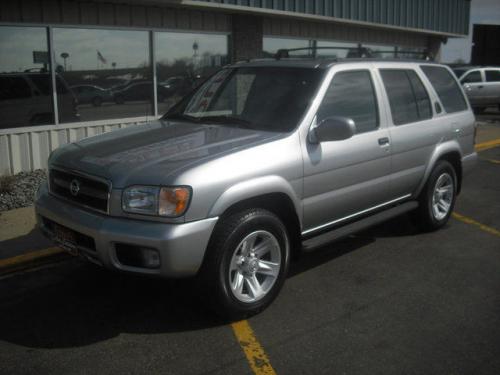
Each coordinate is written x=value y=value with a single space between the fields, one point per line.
x=246 y=264
x=438 y=197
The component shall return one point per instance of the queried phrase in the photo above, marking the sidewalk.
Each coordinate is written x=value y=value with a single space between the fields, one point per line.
x=18 y=233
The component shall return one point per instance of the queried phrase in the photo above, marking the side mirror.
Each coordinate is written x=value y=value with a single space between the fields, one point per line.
x=333 y=128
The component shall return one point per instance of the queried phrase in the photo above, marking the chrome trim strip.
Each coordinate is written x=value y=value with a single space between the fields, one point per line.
x=85 y=175
x=322 y=226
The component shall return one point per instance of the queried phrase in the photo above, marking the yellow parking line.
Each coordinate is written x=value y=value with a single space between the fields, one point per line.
x=256 y=356
x=470 y=221
x=29 y=257
x=487 y=145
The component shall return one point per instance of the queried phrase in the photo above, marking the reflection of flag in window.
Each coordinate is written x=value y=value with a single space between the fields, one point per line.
x=101 y=58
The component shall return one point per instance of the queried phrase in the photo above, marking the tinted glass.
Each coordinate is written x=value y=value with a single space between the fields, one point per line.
x=183 y=61
x=25 y=94
x=351 y=95
x=493 y=76
x=421 y=96
x=265 y=98
x=110 y=61
x=401 y=98
x=446 y=87
x=472 y=77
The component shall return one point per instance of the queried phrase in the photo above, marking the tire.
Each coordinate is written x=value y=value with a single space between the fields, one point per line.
x=230 y=272
x=436 y=206
x=97 y=101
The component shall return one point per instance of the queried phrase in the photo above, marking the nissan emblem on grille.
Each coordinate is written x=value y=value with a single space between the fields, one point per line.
x=74 y=187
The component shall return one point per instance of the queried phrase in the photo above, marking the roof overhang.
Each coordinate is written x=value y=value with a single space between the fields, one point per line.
x=264 y=12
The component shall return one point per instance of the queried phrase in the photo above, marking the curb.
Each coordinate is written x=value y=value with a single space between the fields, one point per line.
x=31 y=260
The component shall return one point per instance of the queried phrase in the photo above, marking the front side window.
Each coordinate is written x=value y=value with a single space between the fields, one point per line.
x=472 y=77
x=264 y=98
x=446 y=87
x=351 y=94
x=492 y=75
x=408 y=98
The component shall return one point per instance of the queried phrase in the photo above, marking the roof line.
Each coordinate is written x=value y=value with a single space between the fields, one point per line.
x=305 y=16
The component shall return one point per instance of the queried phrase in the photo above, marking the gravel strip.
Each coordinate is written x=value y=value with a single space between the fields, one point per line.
x=23 y=190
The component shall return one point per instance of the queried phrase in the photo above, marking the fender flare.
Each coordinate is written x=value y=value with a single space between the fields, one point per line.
x=254 y=188
x=440 y=150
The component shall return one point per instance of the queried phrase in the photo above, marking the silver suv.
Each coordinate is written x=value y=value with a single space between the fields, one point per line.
x=263 y=160
x=482 y=86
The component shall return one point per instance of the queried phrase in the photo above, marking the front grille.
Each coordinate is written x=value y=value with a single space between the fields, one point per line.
x=81 y=240
x=86 y=191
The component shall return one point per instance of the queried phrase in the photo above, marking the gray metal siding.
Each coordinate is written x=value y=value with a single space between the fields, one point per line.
x=281 y=27
x=111 y=14
x=449 y=16
x=27 y=150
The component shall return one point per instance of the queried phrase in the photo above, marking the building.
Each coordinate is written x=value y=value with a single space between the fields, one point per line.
x=71 y=69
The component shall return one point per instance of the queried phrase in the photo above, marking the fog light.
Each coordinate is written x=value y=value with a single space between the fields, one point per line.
x=151 y=258
x=137 y=256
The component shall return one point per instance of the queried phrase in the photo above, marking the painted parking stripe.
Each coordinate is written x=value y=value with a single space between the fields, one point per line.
x=29 y=257
x=468 y=220
x=256 y=356
x=487 y=145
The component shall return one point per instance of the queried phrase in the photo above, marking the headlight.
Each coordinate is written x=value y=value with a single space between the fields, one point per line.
x=153 y=200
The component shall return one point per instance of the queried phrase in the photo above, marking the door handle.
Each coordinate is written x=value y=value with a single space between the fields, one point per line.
x=480 y=87
x=383 y=141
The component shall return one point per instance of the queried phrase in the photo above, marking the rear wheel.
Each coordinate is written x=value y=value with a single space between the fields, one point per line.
x=438 y=197
x=246 y=264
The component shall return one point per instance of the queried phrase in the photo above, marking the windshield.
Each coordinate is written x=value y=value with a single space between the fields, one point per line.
x=264 y=98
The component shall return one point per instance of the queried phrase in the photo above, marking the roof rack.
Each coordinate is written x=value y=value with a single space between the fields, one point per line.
x=354 y=52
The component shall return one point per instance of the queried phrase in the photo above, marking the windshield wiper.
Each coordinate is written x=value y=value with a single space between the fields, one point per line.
x=230 y=120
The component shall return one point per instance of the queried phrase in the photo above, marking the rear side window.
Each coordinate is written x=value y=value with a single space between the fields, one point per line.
x=351 y=94
x=493 y=76
x=446 y=87
x=472 y=77
x=408 y=98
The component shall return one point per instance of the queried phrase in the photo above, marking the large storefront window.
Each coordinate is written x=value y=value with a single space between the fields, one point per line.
x=25 y=85
x=104 y=74
x=272 y=45
x=335 y=49
x=183 y=60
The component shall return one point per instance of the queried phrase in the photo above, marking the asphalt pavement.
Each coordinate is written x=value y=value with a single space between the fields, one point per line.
x=390 y=300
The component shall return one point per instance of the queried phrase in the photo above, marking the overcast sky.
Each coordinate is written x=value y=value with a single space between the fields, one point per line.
x=482 y=12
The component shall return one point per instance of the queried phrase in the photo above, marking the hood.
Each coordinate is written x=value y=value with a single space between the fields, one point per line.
x=151 y=153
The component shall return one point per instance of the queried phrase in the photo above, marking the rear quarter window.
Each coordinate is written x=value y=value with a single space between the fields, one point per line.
x=446 y=87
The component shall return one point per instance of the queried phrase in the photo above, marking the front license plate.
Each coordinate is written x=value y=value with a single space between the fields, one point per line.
x=66 y=239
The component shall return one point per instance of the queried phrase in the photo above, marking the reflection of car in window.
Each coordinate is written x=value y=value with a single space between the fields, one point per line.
x=140 y=91
x=26 y=100
x=91 y=94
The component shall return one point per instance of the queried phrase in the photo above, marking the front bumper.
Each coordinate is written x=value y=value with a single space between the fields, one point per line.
x=181 y=247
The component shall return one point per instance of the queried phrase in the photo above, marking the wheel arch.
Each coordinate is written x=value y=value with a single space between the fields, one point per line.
x=450 y=152
x=272 y=193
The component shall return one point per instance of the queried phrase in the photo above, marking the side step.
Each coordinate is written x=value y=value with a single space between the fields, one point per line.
x=339 y=232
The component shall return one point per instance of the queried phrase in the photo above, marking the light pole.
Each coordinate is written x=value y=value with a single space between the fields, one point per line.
x=65 y=55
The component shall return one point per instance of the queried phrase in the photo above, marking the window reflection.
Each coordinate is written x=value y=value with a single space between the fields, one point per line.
x=107 y=73
x=183 y=60
x=25 y=85
x=337 y=49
